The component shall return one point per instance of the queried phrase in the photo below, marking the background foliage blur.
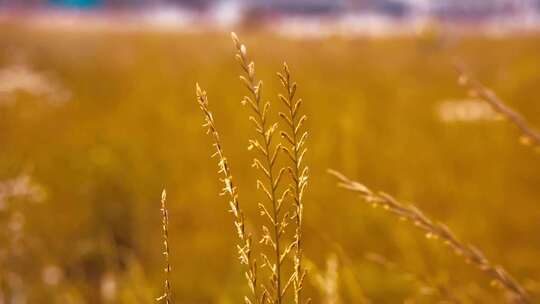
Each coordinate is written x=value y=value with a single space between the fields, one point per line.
x=94 y=124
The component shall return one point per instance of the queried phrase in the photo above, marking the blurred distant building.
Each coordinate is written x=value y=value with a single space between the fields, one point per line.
x=294 y=7
x=258 y=11
x=104 y=4
x=477 y=9
x=21 y=3
x=395 y=8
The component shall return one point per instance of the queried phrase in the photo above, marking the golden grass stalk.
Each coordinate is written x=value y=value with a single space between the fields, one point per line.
x=529 y=137
x=167 y=293
x=268 y=151
x=328 y=282
x=229 y=189
x=295 y=149
x=436 y=230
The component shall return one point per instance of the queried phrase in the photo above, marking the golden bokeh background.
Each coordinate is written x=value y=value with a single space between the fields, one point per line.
x=119 y=122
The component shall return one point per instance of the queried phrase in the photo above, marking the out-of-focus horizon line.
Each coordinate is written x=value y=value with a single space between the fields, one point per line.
x=300 y=18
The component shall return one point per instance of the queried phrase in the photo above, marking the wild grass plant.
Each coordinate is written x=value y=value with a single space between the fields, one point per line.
x=279 y=196
x=437 y=231
x=229 y=189
x=167 y=297
x=529 y=135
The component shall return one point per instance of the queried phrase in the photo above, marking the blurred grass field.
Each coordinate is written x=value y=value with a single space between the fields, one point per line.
x=130 y=126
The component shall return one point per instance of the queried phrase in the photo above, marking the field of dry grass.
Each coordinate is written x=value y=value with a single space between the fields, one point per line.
x=110 y=119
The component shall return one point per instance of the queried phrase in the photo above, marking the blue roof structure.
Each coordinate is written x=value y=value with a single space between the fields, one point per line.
x=78 y=4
